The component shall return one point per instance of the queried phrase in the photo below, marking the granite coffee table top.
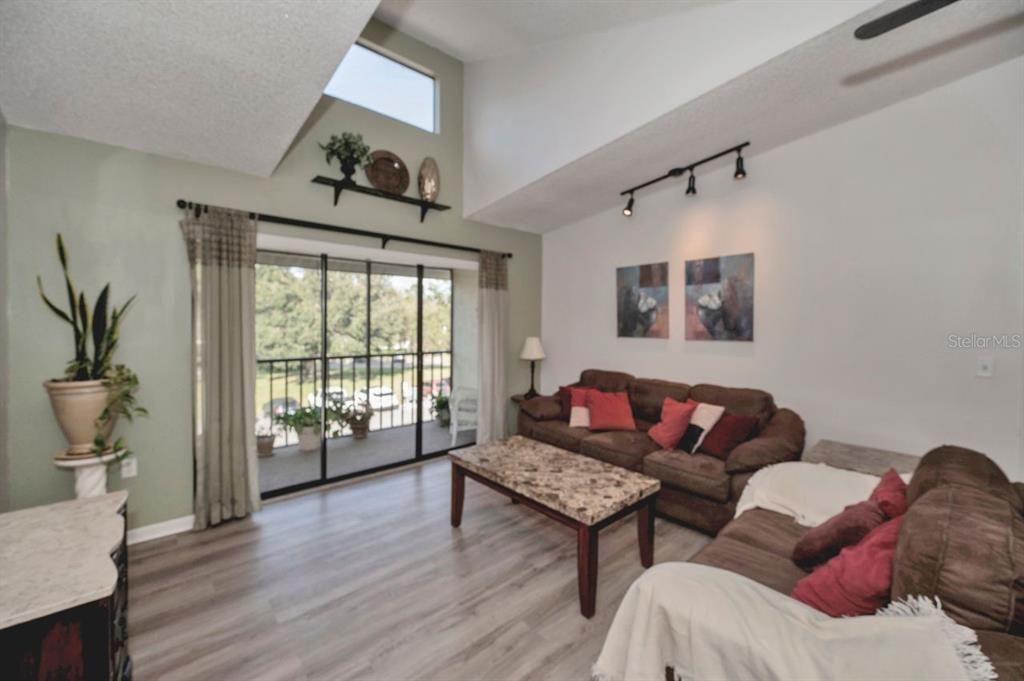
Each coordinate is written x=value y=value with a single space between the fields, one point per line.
x=585 y=489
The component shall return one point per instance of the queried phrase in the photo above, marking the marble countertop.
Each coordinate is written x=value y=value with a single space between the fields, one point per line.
x=57 y=557
x=578 y=486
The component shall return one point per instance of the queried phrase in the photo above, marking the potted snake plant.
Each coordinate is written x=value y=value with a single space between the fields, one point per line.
x=94 y=392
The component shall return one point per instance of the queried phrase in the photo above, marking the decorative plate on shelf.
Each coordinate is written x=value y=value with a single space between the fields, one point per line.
x=387 y=172
x=429 y=180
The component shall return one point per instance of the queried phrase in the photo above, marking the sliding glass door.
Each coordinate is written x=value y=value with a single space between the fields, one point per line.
x=384 y=333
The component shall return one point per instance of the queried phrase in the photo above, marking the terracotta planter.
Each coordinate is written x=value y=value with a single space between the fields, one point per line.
x=78 y=405
x=265 y=445
x=359 y=432
x=309 y=439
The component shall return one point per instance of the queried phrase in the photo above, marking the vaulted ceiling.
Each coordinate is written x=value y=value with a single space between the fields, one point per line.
x=227 y=83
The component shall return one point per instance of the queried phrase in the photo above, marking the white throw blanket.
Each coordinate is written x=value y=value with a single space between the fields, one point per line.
x=708 y=624
x=810 y=492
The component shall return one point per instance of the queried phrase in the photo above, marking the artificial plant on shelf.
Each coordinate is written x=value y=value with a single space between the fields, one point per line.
x=349 y=149
x=94 y=391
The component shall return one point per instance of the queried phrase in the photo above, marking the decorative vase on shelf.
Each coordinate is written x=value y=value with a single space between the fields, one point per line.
x=348 y=168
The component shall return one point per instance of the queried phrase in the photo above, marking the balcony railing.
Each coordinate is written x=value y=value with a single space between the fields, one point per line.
x=386 y=381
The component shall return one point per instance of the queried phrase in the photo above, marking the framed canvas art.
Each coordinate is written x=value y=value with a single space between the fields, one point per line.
x=642 y=301
x=720 y=298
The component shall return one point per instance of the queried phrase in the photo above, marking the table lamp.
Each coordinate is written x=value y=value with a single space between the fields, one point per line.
x=532 y=351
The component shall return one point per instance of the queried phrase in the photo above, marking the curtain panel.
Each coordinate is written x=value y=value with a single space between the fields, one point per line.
x=222 y=254
x=492 y=318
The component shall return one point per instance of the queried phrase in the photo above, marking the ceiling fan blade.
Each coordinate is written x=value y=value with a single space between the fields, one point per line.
x=899 y=17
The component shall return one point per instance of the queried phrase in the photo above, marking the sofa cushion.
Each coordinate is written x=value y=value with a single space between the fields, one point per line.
x=647 y=395
x=559 y=434
x=622 y=448
x=610 y=411
x=774 y=532
x=730 y=431
x=542 y=408
x=775 y=572
x=966 y=547
x=1006 y=652
x=697 y=473
x=949 y=465
x=857 y=581
x=675 y=419
x=846 y=528
x=606 y=381
x=891 y=494
x=742 y=401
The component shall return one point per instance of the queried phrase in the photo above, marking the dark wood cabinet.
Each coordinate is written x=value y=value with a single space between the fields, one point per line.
x=84 y=643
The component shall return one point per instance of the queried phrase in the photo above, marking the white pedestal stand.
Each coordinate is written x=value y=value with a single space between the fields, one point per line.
x=90 y=473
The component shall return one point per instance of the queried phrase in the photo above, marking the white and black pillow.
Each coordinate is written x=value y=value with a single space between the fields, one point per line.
x=703 y=420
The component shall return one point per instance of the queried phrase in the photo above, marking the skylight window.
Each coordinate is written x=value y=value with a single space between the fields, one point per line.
x=371 y=80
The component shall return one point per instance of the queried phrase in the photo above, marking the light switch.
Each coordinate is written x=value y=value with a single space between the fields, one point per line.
x=129 y=467
x=985 y=367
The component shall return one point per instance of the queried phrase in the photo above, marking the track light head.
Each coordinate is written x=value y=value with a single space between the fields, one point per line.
x=691 y=186
x=741 y=172
x=628 y=210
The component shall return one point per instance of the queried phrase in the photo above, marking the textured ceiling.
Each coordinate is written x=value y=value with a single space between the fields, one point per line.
x=826 y=81
x=226 y=83
x=472 y=30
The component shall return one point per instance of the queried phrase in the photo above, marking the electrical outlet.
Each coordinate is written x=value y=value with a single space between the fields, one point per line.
x=986 y=366
x=129 y=467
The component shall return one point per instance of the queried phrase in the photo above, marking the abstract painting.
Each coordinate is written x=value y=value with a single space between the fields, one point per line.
x=720 y=298
x=642 y=295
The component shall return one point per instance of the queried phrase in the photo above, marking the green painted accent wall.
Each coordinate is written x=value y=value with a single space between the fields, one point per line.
x=116 y=210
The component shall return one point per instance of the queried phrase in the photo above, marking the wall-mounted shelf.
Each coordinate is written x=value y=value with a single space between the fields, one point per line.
x=350 y=185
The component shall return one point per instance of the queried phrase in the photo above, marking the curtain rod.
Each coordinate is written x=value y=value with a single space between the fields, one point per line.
x=385 y=238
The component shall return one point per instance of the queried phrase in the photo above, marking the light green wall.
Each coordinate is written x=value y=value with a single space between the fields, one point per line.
x=116 y=210
x=4 y=380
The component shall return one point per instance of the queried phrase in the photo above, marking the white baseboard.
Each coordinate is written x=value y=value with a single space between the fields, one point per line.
x=158 y=530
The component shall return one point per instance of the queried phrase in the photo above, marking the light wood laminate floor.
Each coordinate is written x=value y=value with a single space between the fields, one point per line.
x=370 y=581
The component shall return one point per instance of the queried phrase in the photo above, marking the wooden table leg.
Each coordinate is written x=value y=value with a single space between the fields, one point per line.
x=645 y=532
x=586 y=559
x=458 y=494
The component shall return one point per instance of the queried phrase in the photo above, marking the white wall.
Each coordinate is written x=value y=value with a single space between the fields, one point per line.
x=874 y=241
x=530 y=113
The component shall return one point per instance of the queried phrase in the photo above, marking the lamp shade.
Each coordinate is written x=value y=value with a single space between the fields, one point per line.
x=532 y=349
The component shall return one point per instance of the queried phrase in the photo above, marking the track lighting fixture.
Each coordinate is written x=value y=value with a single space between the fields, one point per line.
x=741 y=172
x=679 y=171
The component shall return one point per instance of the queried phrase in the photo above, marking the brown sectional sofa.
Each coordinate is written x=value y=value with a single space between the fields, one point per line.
x=697 y=489
x=962 y=540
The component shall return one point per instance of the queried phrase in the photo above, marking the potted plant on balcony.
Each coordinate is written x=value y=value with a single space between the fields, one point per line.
x=94 y=391
x=264 y=442
x=356 y=415
x=350 y=150
x=442 y=410
x=305 y=421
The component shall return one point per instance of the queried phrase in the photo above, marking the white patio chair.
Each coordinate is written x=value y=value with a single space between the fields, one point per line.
x=462 y=406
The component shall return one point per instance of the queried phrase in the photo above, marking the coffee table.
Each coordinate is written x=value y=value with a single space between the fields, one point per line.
x=582 y=493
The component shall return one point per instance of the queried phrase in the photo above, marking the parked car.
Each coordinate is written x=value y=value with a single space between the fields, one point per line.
x=380 y=398
x=339 y=396
x=278 y=406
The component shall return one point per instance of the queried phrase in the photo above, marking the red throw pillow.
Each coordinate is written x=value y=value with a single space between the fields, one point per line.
x=610 y=411
x=730 y=431
x=675 y=417
x=565 y=397
x=846 y=528
x=891 y=494
x=580 y=397
x=858 y=580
